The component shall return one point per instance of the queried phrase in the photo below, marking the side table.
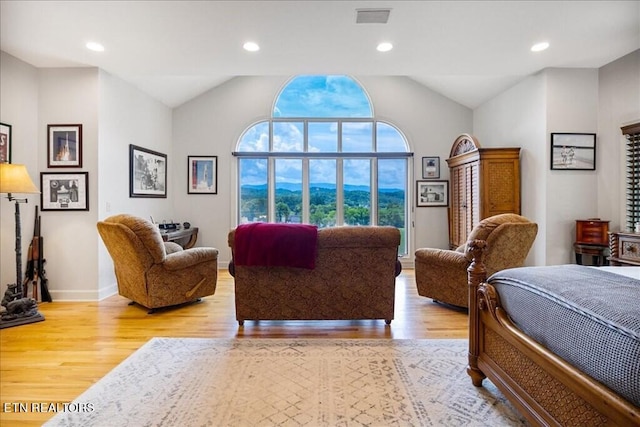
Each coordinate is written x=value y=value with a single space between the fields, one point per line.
x=598 y=253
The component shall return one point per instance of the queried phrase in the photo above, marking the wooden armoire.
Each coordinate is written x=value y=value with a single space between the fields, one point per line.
x=484 y=182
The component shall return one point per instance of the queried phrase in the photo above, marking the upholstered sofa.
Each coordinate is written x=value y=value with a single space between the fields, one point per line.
x=353 y=278
x=442 y=274
x=154 y=273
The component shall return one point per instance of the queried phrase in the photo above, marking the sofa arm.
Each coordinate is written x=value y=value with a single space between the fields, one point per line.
x=189 y=257
x=232 y=268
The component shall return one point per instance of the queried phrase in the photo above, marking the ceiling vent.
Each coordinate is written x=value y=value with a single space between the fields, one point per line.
x=372 y=16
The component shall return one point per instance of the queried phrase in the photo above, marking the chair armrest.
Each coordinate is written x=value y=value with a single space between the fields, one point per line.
x=172 y=247
x=189 y=257
x=443 y=258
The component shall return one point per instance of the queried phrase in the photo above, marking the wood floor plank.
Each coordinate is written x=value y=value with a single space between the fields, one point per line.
x=80 y=342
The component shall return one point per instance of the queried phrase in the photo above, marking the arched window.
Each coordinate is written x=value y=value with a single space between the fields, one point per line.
x=323 y=159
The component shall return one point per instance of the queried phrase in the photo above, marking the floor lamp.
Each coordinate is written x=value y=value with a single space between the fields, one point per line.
x=14 y=179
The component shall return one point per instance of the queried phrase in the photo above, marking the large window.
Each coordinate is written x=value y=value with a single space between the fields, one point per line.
x=323 y=159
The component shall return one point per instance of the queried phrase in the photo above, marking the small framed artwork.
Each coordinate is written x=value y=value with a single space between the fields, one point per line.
x=147 y=173
x=62 y=191
x=573 y=151
x=432 y=193
x=430 y=167
x=64 y=148
x=203 y=175
x=5 y=143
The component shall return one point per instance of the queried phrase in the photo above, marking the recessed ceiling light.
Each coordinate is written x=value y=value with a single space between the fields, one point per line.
x=96 y=47
x=251 y=47
x=539 y=47
x=384 y=47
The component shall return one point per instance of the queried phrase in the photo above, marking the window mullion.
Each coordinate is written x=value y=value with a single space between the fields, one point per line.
x=271 y=189
x=373 y=218
x=339 y=192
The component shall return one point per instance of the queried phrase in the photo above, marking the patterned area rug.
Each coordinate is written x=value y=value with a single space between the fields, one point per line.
x=288 y=382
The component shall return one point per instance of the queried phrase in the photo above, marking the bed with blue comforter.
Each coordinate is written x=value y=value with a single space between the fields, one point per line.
x=561 y=342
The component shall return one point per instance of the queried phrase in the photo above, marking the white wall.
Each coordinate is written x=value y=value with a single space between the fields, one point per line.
x=619 y=104
x=555 y=100
x=212 y=124
x=128 y=116
x=113 y=114
x=70 y=96
x=18 y=108
x=516 y=118
x=572 y=106
x=567 y=100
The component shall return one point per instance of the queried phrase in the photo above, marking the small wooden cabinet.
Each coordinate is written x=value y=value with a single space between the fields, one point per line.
x=592 y=239
x=592 y=231
x=625 y=248
x=484 y=182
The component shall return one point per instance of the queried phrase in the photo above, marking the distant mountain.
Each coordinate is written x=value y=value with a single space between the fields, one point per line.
x=323 y=185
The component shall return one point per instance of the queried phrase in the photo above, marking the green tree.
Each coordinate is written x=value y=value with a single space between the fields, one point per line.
x=282 y=212
x=356 y=215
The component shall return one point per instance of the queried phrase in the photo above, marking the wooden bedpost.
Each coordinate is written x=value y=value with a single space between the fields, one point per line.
x=477 y=273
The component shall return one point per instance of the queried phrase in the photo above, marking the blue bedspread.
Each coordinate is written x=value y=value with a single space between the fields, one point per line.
x=589 y=317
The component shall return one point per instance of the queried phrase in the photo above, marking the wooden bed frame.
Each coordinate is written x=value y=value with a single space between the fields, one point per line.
x=542 y=386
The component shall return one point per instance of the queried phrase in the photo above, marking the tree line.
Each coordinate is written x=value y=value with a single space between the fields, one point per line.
x=322 y=206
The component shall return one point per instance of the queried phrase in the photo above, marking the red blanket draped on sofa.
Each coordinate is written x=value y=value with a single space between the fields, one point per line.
x=282 y=245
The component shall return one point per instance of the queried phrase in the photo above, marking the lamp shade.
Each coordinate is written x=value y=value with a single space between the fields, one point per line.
x=15 y=179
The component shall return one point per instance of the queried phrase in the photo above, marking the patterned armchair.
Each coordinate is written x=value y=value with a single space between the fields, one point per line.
x=151 y=272
x=442 y=274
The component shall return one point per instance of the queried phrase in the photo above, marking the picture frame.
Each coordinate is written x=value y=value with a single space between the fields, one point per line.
x=147 y=173
x=64 y=191
x=5 y=143
x=432 y=193
x=64 y=146
x=202 y=175
x=431 y=167
x=573 y=151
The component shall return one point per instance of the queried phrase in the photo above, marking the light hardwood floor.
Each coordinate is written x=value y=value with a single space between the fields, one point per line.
x=79 y=343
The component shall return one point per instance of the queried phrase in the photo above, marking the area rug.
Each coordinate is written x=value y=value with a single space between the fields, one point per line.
x=291 y=382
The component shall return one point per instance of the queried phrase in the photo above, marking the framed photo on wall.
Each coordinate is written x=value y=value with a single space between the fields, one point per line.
x=147 y=173
x=64 y=147
x=63 y=191
x=430 y=167
x=203 y=175
x=573 y=151
x=5 y=143
x=432 y=193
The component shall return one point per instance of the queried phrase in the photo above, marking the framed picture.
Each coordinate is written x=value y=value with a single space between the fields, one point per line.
x=64 y=148
x=147 y=173
x=573 y=151
x=430 y=167
x=5 y=143
x=432 y=193
x=62 y=191
x=203 y=175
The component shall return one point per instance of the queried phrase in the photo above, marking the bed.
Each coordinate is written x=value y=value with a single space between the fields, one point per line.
x=513 y=312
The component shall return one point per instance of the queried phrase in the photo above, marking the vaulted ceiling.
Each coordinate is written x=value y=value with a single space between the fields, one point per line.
x=468 y=51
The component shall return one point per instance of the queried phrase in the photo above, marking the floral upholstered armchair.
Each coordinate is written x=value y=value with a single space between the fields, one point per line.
x=154 y=273
x=442 y=274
